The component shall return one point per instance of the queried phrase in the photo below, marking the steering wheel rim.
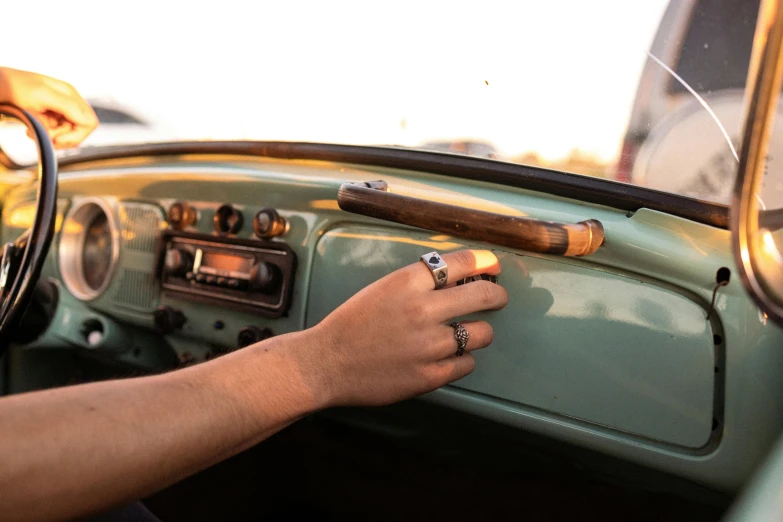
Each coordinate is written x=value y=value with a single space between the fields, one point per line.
x=23 y=260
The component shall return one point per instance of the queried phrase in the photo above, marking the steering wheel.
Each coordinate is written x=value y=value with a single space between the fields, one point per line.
x=23 y=259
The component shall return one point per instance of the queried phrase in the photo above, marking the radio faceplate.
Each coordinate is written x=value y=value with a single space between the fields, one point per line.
x=254 y=275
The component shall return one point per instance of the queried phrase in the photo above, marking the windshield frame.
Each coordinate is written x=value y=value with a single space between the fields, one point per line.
x=599 y=191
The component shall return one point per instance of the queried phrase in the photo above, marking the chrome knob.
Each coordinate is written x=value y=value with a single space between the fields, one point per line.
x=228 y=220
x=181 y=215
x=178 y=261
x=268 y=223
x=264 y=277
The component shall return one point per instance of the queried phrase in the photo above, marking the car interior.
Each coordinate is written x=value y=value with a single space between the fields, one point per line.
x=633 y=374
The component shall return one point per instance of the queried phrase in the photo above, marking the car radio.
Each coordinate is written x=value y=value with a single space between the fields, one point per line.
x=250 y=274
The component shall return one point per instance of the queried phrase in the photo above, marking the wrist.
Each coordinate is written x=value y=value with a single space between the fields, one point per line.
x=309 y=354
x=264 y=383
x=296 y=362
x=282 y=360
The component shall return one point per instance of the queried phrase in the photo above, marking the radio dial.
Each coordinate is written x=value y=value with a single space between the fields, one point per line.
x=178 y=261
x=268 y=223
x=168 y=320
x=264 y=277
x=181 y=215
x=228 y=220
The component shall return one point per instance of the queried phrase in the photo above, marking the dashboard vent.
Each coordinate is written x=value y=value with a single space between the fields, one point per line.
x=140 y=224
x=136 y=287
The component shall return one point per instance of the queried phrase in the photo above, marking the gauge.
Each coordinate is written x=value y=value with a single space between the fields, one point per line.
x=97 y=252
x=89 y=248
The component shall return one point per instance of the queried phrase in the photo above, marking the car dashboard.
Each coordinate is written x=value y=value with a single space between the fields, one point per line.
x=161 y=261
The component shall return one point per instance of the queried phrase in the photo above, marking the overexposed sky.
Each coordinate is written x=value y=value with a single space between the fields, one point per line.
x=546 y=76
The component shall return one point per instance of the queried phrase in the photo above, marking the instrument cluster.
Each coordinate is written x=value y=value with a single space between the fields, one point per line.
x=89 y=248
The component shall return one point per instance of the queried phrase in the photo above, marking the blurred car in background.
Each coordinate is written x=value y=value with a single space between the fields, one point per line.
x=476 y=148
x=120 y=125
x=672 y=142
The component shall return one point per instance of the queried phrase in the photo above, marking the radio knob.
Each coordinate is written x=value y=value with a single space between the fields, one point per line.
x=228 y=220
x=178 y=261
x=168 y=320
x=268 y=223
x=181 y=215
x=264 y=277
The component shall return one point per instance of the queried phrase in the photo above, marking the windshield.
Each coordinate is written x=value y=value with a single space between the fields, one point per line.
x=648 y=93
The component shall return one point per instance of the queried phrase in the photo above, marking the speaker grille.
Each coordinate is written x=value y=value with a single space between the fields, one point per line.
x=137 y=290
x=136 y=287
x=140 y=224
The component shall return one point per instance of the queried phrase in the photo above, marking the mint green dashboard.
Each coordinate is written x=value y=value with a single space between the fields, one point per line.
x=620 y=352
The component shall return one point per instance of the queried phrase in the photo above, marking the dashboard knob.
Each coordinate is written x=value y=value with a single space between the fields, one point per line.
x=264 y=277
x=252 y=335
x=178 y=261
x=268 y=223
x=228 y=220
x=181 y=215
x=168 y=320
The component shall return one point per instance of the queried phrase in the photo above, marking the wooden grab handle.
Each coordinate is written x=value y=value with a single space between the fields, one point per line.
x=532 y=235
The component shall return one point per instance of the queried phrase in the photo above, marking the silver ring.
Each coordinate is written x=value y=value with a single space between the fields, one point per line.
x=462 y=336
x=436 y=264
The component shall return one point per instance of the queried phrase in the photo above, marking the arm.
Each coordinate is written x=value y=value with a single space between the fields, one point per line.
x=56 y=104
x=82 y=449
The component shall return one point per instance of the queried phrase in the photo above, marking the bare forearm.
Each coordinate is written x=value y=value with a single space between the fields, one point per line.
x=82 y=449
x=69 y=452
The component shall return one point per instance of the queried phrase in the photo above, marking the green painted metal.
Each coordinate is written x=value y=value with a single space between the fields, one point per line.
x=761 y=501
x=73 y=320
x=658 y=269
x=583 y=343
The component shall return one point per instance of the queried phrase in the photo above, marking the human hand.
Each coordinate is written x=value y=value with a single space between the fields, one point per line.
x=392 y=341
x=56 y=104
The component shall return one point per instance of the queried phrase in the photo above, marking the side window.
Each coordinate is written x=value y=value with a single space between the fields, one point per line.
x=716 y=52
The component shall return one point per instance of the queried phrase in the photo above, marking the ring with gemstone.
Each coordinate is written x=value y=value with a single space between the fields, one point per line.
x=462 y=336
x=438 y=268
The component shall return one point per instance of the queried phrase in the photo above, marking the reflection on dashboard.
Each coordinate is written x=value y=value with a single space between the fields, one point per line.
x=97 y=252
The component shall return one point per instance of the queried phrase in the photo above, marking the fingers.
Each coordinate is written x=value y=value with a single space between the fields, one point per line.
x=67 y=117
x=62 y=98
x=74 y=136
x=461 y=264
x=454 y=368
x=457 y=301
x=53 y=84
x=480 y=335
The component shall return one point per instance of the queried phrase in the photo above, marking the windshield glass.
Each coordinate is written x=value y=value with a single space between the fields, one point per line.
x=639 y=92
